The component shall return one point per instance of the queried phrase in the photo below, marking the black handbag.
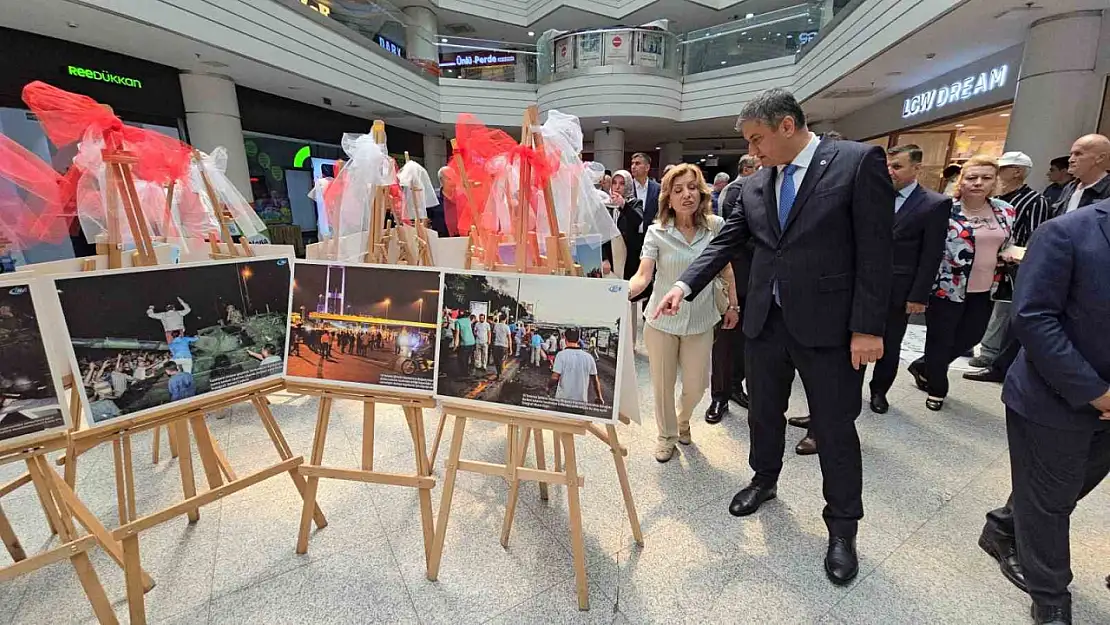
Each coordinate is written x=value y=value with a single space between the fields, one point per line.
x=1004 y=290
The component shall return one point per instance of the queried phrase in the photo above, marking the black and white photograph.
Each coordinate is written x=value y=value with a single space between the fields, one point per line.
x=538 y=343
x=29 y=389
x=364 y=325
x=147 y=338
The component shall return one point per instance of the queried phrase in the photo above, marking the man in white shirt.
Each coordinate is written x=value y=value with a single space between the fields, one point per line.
x=646 y=189
x=173 y=319
x=481 y=340
x=502 y=343
x=1088 y=162
x=575 y=372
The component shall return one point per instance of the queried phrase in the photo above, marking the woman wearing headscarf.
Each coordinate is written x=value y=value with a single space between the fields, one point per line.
x=623 y=254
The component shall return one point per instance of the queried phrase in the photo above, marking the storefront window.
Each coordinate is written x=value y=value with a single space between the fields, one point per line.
x=281 y=177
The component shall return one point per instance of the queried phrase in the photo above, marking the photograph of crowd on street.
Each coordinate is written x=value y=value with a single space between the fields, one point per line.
x=364 y=325
x=28 y=396
x=530 y=342
x=143 y=339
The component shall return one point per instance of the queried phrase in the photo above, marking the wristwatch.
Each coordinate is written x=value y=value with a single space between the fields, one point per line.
x=736 y=308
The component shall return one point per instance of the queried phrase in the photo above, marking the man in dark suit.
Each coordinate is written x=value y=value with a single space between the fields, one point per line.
x=644 y=188
x=920 y=228
x=819 y=214
x=1057 y=396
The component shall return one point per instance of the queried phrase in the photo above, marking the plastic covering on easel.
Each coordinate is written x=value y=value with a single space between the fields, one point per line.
x=579 y=205
x=417 y=190
x=348 y=198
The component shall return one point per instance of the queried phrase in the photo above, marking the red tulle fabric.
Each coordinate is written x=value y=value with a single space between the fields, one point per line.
x=478 y=147
x=33 y=211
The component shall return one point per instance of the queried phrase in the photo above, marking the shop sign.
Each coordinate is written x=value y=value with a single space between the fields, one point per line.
x=103 y=76
x=958 y=91
x=468 y=59
x=317 y=6
x=390 y=46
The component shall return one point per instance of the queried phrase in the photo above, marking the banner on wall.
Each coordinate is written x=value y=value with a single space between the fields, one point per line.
x=649 y=50
x=618 y=48
x=563 y=55
x=589 y=49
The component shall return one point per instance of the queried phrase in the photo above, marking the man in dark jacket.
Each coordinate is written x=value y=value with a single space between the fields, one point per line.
x=1057 y=396
x=1088 y=162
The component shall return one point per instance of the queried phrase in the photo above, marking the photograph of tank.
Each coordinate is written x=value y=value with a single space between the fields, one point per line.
x=29 y=392
x=147 y=338
x=361 y=325
x=539 y=343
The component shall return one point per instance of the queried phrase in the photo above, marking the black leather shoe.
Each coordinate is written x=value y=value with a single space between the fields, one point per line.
x=934 y=404
x=986 y=375
x=879 y=404
x=1003 y=549
x=841 y=561
x=741 y=398
x=915 y=370
x=799 y=422
x=717 y=411
x=750 y=498
x=807 y=446
x=1051 y=614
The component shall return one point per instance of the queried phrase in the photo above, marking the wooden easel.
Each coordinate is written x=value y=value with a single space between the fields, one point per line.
x=421 y=480
x=377 y=236
x=223 y=217
x=423 y=246
x=522 y=429
x=221 y=478
x=62 y=508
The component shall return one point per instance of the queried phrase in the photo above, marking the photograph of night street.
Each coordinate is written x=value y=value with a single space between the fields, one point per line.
x=28 y=395
x=148 y=338
x=541 y=343
x=364 y=325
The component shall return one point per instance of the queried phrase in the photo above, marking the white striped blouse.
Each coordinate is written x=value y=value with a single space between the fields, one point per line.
x=673 y=255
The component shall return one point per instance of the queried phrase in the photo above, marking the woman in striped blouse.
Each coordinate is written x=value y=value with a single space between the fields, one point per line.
x=684 y=226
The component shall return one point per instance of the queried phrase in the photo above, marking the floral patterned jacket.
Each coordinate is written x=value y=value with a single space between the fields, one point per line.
x=959 y=251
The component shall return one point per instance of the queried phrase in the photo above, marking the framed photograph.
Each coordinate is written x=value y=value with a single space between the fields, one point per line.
x=30 y=380
x=588 y=49
x=147 y=338
x=545 y=344
x=364 y=325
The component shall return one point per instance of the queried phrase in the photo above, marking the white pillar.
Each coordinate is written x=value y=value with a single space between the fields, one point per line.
x=435 y=155
x=420 y=33
x=1058 y=93
x=212 y=117
x=609 y=148
x=670 y=154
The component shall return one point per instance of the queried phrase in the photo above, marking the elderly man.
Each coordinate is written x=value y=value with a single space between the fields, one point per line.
x=442 y=216
x=720 y=181
x=748 y=166
x=1032 y=210
x=1088 y=162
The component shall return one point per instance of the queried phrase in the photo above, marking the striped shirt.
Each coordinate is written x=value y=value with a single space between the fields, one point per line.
x=673 y=255
x=1032 y=211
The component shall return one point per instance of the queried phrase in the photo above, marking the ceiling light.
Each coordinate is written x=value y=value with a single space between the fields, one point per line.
x=605 y=121
x=959 y=125
x=531 y=33
x=658 y=147
x=724 y=62
x=443 y=40
x=709 y=155
x=749 y=16
x=72 y=24
x=1004 y=115
x=931 y=55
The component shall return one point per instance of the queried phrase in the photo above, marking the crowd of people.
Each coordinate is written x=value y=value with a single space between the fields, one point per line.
x=813 y=261
x=357 y=341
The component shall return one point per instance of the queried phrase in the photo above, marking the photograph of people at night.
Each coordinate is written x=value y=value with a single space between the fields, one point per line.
x=28 y=393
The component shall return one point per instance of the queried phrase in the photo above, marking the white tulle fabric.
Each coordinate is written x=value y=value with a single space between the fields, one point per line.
x=419 y=194
x=367 y=167
x=580 y=206
x=214 y=165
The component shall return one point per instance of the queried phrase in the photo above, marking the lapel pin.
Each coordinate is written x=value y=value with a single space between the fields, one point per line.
x=824 y=162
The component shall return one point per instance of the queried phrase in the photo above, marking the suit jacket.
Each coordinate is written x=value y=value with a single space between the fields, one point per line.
x=651 y=204
x=920 y=229
x=1095 y=193
x=832 y=260
x=1059 y=314
x=742 y=263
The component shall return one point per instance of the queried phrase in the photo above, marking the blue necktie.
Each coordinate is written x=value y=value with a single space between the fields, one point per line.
x=787 y=194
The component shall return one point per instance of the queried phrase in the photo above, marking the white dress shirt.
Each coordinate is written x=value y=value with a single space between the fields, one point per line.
x=641 y=190
x=901 y=196
x=802 y=162
x=1077 y=196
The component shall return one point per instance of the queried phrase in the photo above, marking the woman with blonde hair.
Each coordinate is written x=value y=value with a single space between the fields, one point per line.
x=684 y=226
x=975 y=253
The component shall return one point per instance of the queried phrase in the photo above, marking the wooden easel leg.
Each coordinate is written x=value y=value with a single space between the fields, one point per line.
x=282 y=446
x=156 y=445
x=206 y=451
x=541 y=461
x=49 y=507
x=94 y=590
x=129 y=477
x=171 y=435
x=626 y=489
x=319 y=439
x=221 y=457
x=415 y=418
x=557 y=445
x=11 y=541
x=438 y=437
x=132 y=571
x=92 y=525
x=519 y=451
x=574 y=508
x=450 y=472
x=185 y=463
x=70 y=467
x=122 y=509
x=368 y=435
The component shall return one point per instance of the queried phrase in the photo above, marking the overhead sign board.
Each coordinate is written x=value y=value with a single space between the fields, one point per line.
x=962 y=90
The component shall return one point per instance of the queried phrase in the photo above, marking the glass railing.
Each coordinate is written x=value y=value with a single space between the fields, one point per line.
x=772 y=35
x=481 y=59
x=646 y=50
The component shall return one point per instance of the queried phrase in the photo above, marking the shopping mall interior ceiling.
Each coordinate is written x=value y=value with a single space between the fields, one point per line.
x=682 y=15
x=74 y=21
x=969 y=32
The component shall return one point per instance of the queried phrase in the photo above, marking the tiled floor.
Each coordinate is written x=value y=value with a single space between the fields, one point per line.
x=929 y=478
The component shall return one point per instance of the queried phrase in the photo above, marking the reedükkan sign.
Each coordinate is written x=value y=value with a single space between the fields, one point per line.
x=958 y=91
x=102 y=76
